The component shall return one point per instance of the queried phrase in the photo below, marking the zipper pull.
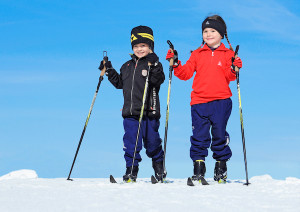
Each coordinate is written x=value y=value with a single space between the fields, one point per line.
x=212 y=53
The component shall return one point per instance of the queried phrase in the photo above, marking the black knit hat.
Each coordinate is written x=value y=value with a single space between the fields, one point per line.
x=217 y=25
x=142 y=34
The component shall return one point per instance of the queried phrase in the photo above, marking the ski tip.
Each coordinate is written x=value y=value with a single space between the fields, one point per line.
x=112 y=179
x=190 y=182
x=153 y=180
x=203 y=181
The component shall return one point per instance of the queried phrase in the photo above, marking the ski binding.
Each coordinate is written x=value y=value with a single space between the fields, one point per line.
x=202 y=180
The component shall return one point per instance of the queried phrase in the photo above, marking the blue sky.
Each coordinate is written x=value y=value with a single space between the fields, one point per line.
x=49 y=55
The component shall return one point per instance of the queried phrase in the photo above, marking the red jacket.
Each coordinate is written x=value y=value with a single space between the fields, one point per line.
x=213 y=74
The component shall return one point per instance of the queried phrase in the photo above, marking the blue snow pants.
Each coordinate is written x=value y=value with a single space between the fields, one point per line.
x=150 y=136
x=206 y=117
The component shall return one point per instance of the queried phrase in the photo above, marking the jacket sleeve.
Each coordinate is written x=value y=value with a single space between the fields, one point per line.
x=229 y=72
x=156 y=75
x=186 y=72
x=115 y=78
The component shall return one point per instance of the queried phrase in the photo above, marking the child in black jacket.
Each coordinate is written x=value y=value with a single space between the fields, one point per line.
x=132 y=80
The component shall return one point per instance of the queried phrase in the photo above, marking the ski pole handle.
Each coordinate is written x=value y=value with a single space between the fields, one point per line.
x=235 y=56
x=236 y=50
x=171 y=60
x=170 y=44
x=105 y=59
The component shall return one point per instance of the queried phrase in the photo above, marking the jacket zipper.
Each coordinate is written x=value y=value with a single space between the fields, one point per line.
x=131 y=103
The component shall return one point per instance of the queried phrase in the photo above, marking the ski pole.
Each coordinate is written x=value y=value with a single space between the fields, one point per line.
x=105 y=59
x=241 y=113
x=171 y=63
x=141 y=116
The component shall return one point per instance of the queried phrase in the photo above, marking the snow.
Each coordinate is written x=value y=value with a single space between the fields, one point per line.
x=23 y=191
x=20 y=174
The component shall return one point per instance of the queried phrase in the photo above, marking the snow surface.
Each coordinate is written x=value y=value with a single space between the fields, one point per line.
x=23 y=191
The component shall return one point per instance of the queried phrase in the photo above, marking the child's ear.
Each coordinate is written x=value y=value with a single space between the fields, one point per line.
x=151 y=50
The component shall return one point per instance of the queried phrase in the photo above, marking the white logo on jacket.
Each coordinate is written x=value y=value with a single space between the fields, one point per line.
x=219 y=64
x=144 y=72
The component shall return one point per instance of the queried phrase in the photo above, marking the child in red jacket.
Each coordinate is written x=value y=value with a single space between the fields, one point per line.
x=210 y=99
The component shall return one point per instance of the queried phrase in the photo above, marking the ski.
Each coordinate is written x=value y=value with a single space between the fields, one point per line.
x=112 y=179
x=153 y=180
x=202 y=181
x=190 y=182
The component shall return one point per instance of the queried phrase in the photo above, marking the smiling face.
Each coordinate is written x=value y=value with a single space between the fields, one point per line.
x=141 y=50
x=211 y=37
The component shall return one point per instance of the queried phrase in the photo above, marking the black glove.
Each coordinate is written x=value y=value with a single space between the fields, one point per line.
x=152 y=58
x=176 y=58
x=107 y=65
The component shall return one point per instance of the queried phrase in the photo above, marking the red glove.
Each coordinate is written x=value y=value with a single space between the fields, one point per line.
x=237 y=62
x=169 y=55
x=173 y=55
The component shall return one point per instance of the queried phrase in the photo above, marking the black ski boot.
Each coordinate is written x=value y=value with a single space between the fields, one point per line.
x=199 y=170
x=128 y=177
x=220 y=172
x=160 y=174
x=199 y=173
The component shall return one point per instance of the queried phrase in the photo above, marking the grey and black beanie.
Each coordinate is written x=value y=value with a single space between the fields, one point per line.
x=142 y=34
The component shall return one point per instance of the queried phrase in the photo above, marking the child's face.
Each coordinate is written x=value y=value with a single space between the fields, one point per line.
x=141 y=50
x=212 y=37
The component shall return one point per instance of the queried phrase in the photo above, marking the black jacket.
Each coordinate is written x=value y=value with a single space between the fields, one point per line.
x=132 y=79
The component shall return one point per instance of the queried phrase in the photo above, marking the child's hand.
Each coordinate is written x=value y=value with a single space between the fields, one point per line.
x=170 y=55
x=107 y=65
x=174 y=55
x=152 y=58
x=237 y=62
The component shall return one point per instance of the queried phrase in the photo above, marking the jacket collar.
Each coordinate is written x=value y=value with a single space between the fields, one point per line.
x=220 y=48
x=135 y=58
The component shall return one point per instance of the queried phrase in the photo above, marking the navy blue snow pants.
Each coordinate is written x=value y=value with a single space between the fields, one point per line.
x=150 y=136
x=206 y=117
